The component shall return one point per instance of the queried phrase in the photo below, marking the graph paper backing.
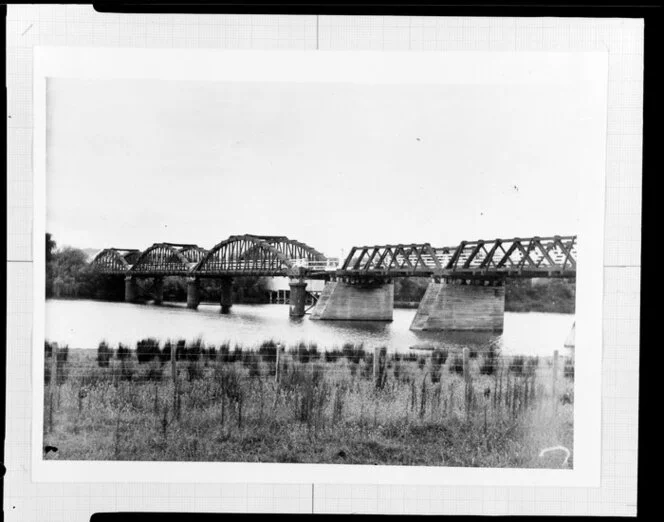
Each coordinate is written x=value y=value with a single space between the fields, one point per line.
x=28 y=26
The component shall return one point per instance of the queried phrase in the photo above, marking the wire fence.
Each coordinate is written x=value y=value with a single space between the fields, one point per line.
x=186 y=385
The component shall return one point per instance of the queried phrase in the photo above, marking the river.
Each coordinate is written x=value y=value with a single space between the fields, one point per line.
x=84 y=323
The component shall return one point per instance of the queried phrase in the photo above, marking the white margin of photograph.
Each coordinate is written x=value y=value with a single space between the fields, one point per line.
x=464 y=67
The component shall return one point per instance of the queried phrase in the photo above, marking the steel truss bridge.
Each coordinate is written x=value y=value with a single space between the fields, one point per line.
x=254 y=255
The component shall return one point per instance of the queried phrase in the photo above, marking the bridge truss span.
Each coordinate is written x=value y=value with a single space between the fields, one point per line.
x=518 y=257
x=167 y=259
x=251 y=255
x=115 y=261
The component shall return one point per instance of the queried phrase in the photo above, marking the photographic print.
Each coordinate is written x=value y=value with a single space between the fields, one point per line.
x=374 y=268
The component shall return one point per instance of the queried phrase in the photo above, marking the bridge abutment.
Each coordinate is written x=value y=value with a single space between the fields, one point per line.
x=226 y=299
x=131 y=289
x=456 y=305
x=193 y=292
x=158 y=290
x=343 y=301
x=298 y=297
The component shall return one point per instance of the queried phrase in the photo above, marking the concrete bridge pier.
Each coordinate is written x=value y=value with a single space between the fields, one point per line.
x=226 y=299
x=456 y=304
x=193 y=292
x=158 y=290
x=355 y=301
x=298 y=297
x=131 y=289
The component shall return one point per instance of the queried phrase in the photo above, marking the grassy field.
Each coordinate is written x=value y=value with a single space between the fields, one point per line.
x=324 y=407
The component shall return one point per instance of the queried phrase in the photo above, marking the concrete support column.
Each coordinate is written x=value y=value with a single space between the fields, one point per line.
x=343 y=301
x=131 y=289
x=226 y=299
x=462 y=305
x=158 y=290
x=193 y=292
x=298 y=297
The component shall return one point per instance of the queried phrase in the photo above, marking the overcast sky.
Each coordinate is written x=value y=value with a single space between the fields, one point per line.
x=133 y=162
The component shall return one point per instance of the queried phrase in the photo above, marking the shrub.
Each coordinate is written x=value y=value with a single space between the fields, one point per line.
x=568 y=370
x=237 y=354
x=300 y=353
x=314 y=354
x=104 y=354
x=333 y=355
x=472 y=353
x=531 y=364
x=438 y=358
x=123 y=353
x=354 y=353
x=48 y=349
x=268 y=350
x=147 y=350
x=181 y=350
x=194 y=350
x=421 y=362
x=194 y=370
x=410 y=357
x=60 y=363
x=456 y=364
x=381 y=378
x=124 y=356
x=489 y=362
x=224 y=352
x=517 y=364
x=251 y=361
x=165 y=355
x=367 y=367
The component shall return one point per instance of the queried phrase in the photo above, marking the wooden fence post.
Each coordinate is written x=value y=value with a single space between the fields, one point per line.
x=52 y=384
x=553 y=382
x=174 y=374
x=277 y=372
x=466 y=378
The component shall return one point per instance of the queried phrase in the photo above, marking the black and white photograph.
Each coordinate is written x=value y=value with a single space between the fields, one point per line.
x=367 y=263
x=328 y=272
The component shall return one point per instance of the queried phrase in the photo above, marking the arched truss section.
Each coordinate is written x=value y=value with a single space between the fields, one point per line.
x=167 y=259
x=299 y=253
x=251 y=255
x=115 y=260
x=193 y=253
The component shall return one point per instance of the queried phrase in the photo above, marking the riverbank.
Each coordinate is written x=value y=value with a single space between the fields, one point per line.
x=326 y=407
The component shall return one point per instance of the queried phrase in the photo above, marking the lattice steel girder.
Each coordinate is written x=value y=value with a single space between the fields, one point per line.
x=164 y=259
x=516 y=256
x=530 y=257
x=410 y=258
x=114 y=260
x=262 y=255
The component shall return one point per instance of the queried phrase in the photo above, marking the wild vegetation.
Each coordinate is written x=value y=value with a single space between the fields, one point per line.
x=187 y=401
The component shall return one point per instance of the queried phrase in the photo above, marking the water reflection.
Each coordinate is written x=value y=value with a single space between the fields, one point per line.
x=84 y=323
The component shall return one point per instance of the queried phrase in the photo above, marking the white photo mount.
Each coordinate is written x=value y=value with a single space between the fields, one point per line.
x=588 y=71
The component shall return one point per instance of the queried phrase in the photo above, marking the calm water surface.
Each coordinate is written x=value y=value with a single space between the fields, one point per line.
x=83 y=323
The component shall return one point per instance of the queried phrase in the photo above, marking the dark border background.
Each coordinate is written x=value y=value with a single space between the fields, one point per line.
x=648 y=10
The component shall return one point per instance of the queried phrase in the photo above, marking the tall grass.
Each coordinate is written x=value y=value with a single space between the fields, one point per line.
x=332 y=409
